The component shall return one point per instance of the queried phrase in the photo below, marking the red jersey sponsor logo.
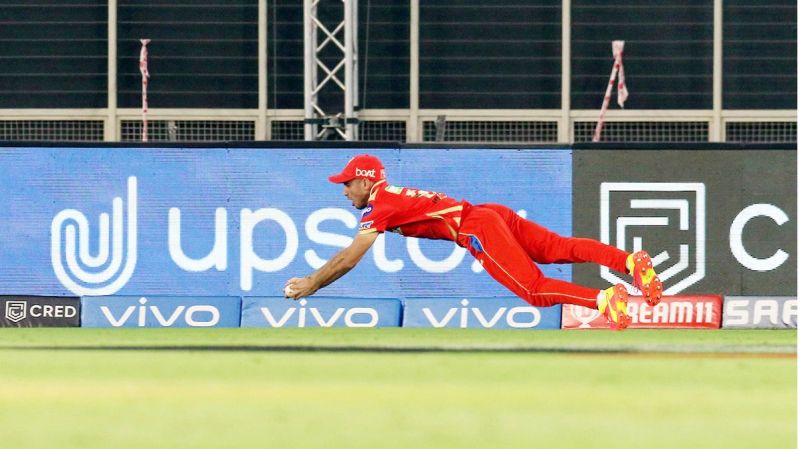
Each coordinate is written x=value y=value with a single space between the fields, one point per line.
x=674 y=312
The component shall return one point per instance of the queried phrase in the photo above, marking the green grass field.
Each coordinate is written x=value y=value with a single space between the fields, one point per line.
x=397 y=388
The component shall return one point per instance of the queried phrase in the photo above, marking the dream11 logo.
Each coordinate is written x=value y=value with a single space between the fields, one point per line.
x=675 y=210
x=103 y=274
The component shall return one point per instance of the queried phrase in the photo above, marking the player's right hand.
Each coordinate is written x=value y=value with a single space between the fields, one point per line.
x=297 y=288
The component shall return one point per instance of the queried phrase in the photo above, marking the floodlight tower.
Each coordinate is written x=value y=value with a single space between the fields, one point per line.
x=325 y=116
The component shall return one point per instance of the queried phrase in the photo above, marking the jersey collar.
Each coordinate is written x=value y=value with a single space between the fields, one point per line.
x=373 y=192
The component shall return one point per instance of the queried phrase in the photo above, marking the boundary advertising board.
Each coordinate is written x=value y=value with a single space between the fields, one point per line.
x=715 y=221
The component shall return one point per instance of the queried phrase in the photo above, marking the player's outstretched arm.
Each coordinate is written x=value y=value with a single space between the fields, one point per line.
x=335 y=268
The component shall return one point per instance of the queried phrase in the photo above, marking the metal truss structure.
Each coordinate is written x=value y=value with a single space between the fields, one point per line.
x=330 y=51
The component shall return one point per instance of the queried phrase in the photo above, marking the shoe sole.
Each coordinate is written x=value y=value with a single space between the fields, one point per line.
x=653 y=290
x=623 y=320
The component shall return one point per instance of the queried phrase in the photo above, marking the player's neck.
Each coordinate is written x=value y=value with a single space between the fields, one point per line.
x=375 y=186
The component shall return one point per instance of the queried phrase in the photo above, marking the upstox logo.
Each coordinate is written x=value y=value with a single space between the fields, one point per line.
x=104 y=273
x=635 y=216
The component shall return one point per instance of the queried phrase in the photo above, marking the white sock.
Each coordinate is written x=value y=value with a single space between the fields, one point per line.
x=601 y=296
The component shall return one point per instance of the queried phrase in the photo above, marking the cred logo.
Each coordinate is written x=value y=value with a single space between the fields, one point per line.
x=16 y=311
x=635 y=216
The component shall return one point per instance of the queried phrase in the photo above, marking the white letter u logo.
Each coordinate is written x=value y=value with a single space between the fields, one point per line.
x=97 y=282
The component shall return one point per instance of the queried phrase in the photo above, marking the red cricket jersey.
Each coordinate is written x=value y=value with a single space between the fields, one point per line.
x=411 y=212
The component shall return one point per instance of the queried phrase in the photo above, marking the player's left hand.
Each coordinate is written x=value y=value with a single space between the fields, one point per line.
x=297 y=288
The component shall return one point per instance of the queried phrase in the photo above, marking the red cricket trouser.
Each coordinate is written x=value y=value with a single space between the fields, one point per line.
x=507 y=246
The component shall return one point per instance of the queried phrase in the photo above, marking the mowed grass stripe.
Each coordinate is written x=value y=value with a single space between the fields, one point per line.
x=706 y=350
x=406 y=340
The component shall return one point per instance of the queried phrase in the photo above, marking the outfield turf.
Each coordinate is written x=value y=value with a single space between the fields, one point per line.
x=396 y=388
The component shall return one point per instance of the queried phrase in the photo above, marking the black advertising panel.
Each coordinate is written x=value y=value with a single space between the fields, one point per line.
x=40 y=311
x=715 y=221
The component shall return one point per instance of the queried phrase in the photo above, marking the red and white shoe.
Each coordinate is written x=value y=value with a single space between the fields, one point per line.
x=613 y=304
x=640 y=266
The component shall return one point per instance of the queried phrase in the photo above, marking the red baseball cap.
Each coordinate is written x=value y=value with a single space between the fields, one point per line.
x=361 y=166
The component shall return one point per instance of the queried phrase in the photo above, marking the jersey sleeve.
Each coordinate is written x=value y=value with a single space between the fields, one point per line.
x=375 y=218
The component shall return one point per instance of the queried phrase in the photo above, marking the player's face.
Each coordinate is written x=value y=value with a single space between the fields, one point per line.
x=357 y=191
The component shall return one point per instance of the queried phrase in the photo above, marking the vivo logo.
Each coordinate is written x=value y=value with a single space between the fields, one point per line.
x=143 y=315
x=103 y=273
x=314 y=317
x=520 y=317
